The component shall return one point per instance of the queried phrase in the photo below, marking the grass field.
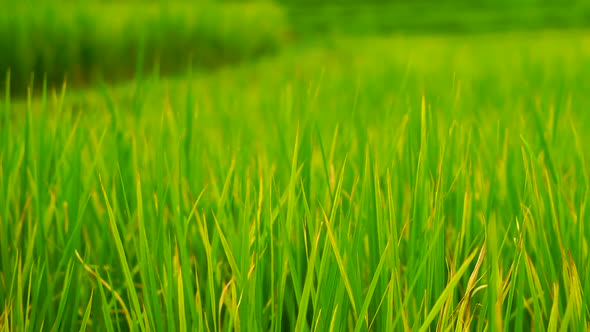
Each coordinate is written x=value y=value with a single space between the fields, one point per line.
x=382 y=184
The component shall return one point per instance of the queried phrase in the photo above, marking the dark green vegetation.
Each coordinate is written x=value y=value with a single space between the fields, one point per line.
x=449 y=18
x=83 y=43
x=434 y=16
x=377 y=183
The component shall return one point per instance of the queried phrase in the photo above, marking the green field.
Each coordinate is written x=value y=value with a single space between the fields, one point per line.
x=371 y=183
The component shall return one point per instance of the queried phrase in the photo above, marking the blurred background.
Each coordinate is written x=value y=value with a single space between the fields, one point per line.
x=82 y=42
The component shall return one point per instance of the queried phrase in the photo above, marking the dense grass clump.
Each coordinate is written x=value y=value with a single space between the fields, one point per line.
x=384 y=185
x=86 y=41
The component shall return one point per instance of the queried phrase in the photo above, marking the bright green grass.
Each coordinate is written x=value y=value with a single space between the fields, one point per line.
x=384 y=185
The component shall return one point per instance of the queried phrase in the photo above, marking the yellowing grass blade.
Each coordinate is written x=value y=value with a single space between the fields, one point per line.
x=449 y=289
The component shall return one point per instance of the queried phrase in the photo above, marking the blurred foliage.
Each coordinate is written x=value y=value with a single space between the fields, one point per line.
x=84 y=42
x=433 y=4
x=446 y=17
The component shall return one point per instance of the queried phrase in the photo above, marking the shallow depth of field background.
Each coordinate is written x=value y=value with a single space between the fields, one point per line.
x=294 y=165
